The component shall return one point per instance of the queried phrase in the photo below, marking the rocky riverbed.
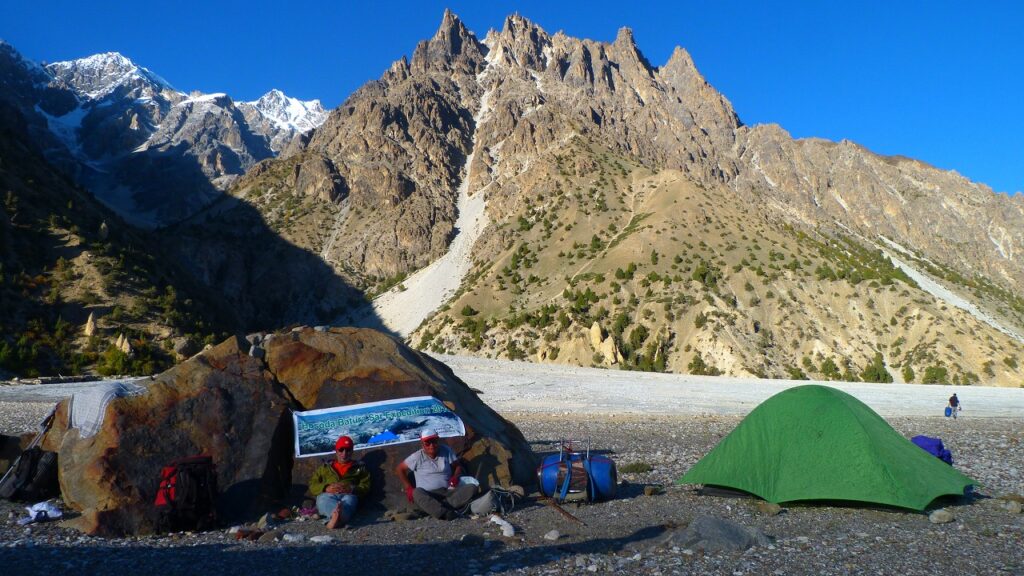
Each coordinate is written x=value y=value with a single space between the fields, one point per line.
x=635 y=533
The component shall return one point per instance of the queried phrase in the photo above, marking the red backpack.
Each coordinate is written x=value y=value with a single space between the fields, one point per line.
x=186 y=498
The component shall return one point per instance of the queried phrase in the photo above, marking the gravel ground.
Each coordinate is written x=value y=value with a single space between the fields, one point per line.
x=631 y=534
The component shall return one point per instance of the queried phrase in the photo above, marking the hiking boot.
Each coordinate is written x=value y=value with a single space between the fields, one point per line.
x=450 y=515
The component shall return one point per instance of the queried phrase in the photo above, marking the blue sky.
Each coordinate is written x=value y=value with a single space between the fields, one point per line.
x=939 y=81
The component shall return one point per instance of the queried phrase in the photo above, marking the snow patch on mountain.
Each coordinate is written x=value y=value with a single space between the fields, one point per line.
x=66 y=127
x=197 y=98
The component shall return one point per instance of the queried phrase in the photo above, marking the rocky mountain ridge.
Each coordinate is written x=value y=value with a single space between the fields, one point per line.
x=632 y=220
x=81 y=290
x=571 y=141
x=150 y=152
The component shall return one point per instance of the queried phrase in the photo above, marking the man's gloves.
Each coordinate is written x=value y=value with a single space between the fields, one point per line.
x=408 y=493
x=453 y=481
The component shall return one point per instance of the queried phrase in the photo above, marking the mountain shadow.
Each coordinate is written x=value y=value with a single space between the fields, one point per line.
x=65 y=259
x=269 y=282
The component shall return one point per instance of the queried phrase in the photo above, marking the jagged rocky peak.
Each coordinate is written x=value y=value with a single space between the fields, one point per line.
x=100 y=75
x=520 y=43
x=290 y=113
x=398 y=72
x=453 y=47
x=626 y=50
x=709 y=107
x=525 y=46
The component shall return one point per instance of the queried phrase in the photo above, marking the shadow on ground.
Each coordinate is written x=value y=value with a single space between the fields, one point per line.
x=443 y=557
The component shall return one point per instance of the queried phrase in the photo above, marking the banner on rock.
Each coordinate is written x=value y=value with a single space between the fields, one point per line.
x=373 y=424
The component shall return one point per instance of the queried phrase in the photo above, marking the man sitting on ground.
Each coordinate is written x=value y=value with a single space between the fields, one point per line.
x=437 y=471
x=339 y=485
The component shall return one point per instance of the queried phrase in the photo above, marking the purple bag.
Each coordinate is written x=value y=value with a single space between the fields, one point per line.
x=934 y=447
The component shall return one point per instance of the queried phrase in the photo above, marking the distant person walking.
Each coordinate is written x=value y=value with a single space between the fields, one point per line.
x=954 y=406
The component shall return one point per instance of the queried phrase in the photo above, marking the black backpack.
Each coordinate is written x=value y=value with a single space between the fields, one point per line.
x=186 y=498
x=33 y=478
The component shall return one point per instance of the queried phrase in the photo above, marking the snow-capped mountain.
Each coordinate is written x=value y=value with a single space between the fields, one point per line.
x=282 y=117
x=120 y=104
x=100 y=75
x=287 y=112
x=151 y=152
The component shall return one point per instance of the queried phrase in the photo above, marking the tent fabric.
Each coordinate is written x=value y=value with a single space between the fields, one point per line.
x=819 y=443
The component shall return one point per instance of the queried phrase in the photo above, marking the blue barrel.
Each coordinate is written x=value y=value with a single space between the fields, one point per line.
x=603 y=477
x=949 y=411
x=593 y=478
x=547 y=475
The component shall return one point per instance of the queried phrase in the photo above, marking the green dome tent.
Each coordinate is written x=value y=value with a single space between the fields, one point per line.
x=819 y=443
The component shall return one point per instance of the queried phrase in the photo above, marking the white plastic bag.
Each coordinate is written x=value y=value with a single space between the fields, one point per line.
x=40 y=512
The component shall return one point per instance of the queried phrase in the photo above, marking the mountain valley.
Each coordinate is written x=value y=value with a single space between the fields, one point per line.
x=623 y=215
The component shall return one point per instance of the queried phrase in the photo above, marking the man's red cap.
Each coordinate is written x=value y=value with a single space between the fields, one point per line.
x=343 y=442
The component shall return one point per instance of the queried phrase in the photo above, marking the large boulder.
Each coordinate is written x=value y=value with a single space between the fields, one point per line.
x=342 y=366
x=233 y=402
x=222 y=403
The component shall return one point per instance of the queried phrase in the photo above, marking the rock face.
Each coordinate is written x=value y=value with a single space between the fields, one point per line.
x=235 y=407
x=960 y=223
x=579 y=148
x=490 y=114
x=223 y=403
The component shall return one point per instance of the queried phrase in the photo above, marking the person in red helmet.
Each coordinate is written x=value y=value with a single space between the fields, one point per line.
x=436 y=470
x=339 y=484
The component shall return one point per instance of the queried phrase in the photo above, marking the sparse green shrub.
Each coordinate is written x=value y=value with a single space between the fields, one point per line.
x=636 y=468
x=808 y=364
x=829 y=369
x=698 y=367
x=796 y=373
x=935 y=374
x=700 y=320
x=637 y=337
x=875 y=370
x=513 y=351
x=908 y=373
x=989 y=369
x=706 y=274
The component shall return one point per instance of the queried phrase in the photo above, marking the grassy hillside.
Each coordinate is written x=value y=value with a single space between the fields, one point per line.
x=596 y=260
